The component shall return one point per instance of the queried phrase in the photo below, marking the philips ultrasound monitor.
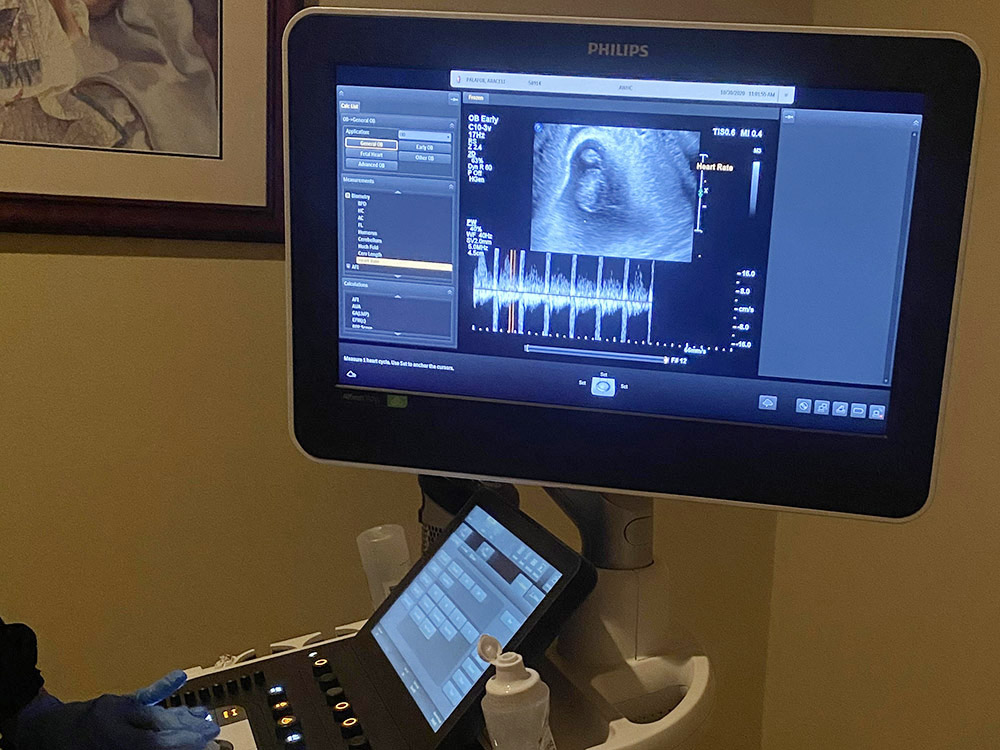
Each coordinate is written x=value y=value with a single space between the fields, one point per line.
x=711 y=262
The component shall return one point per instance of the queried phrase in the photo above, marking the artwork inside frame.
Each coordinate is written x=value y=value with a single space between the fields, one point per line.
x=142 y=117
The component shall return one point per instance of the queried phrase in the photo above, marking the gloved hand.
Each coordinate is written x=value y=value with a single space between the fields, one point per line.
x=116 y=722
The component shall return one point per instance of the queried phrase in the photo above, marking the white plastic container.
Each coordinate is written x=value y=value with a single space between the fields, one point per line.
x=516 y=704
x=385 y=558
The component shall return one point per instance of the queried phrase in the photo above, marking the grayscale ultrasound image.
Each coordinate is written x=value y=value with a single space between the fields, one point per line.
x=625 y=192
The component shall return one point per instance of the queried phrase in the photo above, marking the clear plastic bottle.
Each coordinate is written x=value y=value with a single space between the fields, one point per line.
x=516 y=704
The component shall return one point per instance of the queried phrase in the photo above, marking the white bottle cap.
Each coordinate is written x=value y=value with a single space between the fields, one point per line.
x=511 y=677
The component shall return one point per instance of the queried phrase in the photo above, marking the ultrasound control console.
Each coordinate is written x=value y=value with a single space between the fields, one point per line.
x=313 y=697
x=411 y=677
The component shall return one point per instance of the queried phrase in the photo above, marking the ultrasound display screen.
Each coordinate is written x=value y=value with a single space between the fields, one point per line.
x=678 y=249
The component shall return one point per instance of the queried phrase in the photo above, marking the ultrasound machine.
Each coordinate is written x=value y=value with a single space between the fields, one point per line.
x=620 y=260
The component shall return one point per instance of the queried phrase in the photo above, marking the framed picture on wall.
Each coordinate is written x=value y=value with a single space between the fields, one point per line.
x=142 y=117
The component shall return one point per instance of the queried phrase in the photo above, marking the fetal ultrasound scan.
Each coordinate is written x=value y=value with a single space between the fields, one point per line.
x=611 y=191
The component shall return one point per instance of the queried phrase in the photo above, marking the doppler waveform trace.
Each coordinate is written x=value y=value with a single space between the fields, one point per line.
x=509 y=285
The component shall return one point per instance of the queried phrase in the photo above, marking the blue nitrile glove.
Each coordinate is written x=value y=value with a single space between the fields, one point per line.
x=116 y=722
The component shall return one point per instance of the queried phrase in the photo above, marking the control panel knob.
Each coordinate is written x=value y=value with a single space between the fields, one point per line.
x=281 y=708
x=190 y=699
x=342 y=711
x=321 y=667
x=258 y=677
x=204 y=696
x=232 y=687
x=359 y=742
x=350 y=727
x=245 y=682
x=217 y=690
x=334 y=696
x=327 y=681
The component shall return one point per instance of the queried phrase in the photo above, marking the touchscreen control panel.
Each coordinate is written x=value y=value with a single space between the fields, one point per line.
x=483 y=580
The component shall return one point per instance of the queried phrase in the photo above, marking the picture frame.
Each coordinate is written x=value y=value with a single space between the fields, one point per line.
x=189 y=176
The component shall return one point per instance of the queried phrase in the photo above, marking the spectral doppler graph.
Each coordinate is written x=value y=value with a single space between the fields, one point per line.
x=566 y=296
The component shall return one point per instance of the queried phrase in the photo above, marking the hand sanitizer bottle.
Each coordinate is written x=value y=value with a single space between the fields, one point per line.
x=516 y=704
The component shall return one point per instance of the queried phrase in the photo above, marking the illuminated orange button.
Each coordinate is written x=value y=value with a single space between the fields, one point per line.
x=321 y=666
x=350 y=728
x=342 y=711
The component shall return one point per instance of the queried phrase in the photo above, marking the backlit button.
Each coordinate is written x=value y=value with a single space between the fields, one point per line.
x=859 y=411
x=276 y=693
x=327 y=681
x=334 y=696
x=358 y=743
x=295 y=739
x=342 y=711
x=204 y=696
x=321 y=666
x=245 y=682
x=350 y=727
x=281 y=708
x=287 y=724
x=231 y=686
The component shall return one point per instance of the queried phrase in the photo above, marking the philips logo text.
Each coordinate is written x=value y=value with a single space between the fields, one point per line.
x=617 y=50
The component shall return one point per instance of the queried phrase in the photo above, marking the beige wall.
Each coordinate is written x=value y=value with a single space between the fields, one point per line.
x=154 y=513
x=153 y=510
x=886 y=636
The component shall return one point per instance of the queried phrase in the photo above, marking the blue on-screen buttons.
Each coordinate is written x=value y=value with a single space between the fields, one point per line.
x=855 y=410
x=604 y=387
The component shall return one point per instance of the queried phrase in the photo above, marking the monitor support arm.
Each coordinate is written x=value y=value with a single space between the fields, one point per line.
x=627 y=614
x=618 y=650
x=616 y=530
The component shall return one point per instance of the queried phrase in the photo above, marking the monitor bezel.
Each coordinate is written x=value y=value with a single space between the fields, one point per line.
x=889 y=477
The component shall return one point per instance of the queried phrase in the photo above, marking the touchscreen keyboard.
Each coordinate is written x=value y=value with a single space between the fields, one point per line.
x=482 y=580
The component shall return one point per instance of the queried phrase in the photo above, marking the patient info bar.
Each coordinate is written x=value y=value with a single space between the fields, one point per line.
x=626 y=87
